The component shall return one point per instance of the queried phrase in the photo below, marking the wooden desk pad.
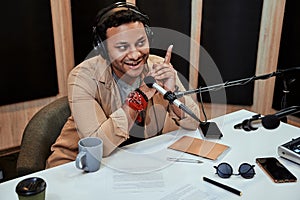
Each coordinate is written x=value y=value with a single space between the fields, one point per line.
x=199 y=147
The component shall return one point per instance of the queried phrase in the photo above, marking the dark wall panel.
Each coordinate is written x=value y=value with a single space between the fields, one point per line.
x=229 y=33
x=83 y=15
x=27 y=55
x=289 y=57
x=176 y=19
x=160 y=14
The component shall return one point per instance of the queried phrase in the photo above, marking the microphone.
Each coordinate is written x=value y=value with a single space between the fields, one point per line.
x=170 y=96
x=268 y=122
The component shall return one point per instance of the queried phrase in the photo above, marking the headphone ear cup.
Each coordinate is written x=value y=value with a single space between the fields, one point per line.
x=149 y=34
x=99 y=46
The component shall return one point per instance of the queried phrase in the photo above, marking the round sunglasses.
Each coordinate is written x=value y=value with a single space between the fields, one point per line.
x=224 y=170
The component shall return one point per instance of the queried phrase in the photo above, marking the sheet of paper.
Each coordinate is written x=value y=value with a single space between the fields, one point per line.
x=137 y=183
x=189 y=192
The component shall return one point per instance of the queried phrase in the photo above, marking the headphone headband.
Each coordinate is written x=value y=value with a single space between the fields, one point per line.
x=119 y=6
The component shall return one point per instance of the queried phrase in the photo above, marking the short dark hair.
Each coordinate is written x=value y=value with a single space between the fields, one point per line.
x=115 y=19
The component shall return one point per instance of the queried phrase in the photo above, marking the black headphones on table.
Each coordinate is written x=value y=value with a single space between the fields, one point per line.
x=105 y=13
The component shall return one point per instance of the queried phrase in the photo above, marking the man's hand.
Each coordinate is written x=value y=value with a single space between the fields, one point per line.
x=164 y=72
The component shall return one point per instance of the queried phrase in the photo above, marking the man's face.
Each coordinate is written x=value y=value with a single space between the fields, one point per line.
x=128 y=49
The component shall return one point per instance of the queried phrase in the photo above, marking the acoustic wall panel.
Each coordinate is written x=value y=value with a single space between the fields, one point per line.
x=176 y=19
x=229 y=34
x=28 y=66
x=171 y=22
x=83 y=15
x=289 y=57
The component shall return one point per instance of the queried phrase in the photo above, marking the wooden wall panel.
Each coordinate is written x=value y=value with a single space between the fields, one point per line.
x=267 y=54
x=196 y=18
x=63 y=39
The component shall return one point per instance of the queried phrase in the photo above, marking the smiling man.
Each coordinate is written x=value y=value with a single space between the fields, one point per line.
x=107 y=95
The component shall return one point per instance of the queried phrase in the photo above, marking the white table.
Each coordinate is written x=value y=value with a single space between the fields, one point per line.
x=141 y=171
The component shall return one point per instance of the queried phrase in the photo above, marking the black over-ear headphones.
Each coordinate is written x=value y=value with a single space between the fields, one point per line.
x=105 y=13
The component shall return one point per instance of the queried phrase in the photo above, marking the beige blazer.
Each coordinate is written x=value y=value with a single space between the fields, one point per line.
x=95 y=104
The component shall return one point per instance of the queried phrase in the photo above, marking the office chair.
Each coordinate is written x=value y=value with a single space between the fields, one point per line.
x=40 y=133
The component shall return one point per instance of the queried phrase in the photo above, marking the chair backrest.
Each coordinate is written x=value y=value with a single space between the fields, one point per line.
x=39 y=134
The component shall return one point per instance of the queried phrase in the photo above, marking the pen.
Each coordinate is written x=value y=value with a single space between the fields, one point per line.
x=184 y=160
x=225 y=187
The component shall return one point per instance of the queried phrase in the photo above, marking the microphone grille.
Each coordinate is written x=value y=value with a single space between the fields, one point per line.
x=270 y=122
x=149 y=80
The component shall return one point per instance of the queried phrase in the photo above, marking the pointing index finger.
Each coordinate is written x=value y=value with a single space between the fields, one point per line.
x=168 y=55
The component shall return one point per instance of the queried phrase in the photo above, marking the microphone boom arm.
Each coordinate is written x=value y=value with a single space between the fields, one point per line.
x=234 y=83
x=287 y=111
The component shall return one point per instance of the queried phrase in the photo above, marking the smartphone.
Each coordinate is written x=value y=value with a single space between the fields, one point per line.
x=276 y=170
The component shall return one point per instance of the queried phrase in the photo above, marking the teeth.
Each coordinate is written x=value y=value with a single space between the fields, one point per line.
x=133 y=64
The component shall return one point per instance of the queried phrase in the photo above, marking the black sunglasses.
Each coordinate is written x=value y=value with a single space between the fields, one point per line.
x=224 y=170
